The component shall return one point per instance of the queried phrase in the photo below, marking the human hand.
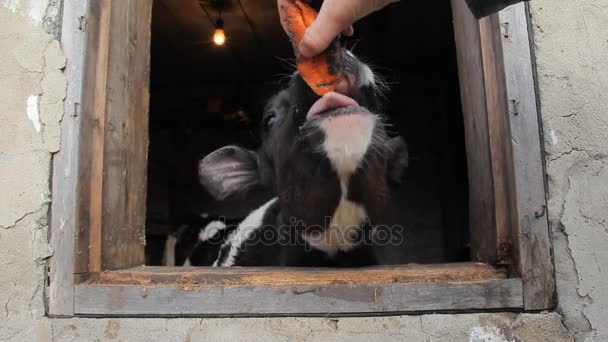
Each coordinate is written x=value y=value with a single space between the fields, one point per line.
x=334 y=17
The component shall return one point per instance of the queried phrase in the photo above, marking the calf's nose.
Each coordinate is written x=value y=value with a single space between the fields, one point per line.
x=347 y=85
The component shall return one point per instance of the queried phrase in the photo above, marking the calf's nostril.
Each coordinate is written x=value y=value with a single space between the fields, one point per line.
x=346 y=85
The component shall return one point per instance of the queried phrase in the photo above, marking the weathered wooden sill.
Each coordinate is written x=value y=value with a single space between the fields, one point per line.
x=166 y=291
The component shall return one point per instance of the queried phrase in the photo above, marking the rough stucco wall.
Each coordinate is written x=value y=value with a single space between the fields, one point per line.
x=571 y=46
x=448 y=328
x=32 y=89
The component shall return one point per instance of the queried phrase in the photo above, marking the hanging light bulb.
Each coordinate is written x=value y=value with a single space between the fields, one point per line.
x=219 y=36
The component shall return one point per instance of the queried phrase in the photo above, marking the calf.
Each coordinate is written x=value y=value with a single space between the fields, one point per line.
x=197 y=240
x=332 y=167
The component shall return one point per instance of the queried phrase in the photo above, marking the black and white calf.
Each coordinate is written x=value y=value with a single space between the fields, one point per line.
x=197 y=240
x=332 y=167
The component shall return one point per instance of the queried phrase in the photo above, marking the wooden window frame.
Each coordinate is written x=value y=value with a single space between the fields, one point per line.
x=98 y=208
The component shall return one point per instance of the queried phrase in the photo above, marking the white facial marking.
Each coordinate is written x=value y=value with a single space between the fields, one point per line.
x=347 y=138
x=344 y=225
x=366 y=76
x=211 y=229
x=169 y=257
x=187 y=263
x=251 y=223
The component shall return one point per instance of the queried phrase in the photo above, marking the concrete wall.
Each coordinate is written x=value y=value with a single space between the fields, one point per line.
x=571 y=43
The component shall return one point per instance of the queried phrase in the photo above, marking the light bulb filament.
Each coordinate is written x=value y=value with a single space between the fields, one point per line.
x=219 y=37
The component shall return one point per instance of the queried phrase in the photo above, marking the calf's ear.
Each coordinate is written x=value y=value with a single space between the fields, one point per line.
x=229 y=171
x=398 y=160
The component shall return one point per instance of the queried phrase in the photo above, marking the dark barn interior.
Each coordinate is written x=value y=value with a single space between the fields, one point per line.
x=205 y=96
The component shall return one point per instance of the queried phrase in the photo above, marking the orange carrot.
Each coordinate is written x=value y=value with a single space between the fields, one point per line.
x=320 y=72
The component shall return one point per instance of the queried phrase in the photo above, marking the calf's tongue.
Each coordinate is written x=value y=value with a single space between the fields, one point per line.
x=330 y=101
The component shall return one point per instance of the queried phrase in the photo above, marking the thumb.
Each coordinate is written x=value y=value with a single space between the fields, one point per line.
x=336 y=16
x=322 y=32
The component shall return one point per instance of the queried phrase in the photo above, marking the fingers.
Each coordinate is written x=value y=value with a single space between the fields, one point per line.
x=336 y=16
x=332 y=20
x=283 y=15
x=282 y=7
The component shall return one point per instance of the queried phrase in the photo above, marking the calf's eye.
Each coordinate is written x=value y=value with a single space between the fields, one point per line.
x=269 y=121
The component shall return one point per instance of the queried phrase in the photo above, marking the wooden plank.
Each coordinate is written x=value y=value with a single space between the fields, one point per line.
x=534 y=240
x=505 y=203
x=209 y=277
x=60 y=290
x=165 y=291
x=114 y=146
x=472 y=88
x=114 y=174
x=320 y=300
x=137 y=138
x=89 y=217
x=126 y=136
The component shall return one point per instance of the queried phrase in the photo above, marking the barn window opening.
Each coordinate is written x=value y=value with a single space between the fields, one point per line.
x=452 y=77
x=205 y=96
